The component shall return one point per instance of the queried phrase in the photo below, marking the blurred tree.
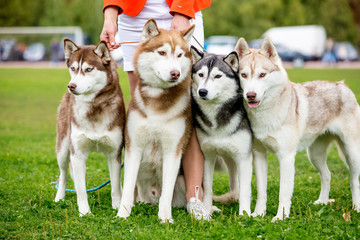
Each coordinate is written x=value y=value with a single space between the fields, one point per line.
x=355 y=9
x=86 y=14
x=20 y=12
x=250 y=19
x=245 y=18
x=336 y=17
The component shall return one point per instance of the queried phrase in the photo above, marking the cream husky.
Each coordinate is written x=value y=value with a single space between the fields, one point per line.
x=91 y=117
x=287 y=117
x=159 y=121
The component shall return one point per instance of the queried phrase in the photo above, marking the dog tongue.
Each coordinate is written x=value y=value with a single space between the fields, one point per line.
x=253 y=104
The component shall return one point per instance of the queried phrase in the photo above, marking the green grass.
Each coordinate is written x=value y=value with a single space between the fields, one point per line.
x=28 y=103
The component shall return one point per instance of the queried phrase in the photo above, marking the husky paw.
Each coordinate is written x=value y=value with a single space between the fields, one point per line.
x=243 y=212
x=84 y=213
x=214 y=209
x=59 y=196
x=259 y=213
x=84 y=208
x=277 y=218
x=116 y=203
x=317 y=202
x=357 y=207
x=167 y=221
x=57 y=199
x=123 y=212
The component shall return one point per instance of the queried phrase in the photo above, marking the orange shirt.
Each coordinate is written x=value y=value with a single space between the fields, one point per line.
x=185 y=7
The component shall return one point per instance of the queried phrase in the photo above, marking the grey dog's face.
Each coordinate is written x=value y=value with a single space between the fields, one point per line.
x=215 y=77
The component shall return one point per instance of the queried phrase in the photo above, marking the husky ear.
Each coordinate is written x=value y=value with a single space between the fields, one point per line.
x=196 y=54
x=150 y=30
x=103 y=52
x=69 y=47
x=242 y=48
x=233 y=61
x=188 y=33
x=268 y=49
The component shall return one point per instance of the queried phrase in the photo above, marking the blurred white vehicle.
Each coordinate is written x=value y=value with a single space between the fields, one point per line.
x=221 y=44
x=309 y=40
x=345 y=51
x=35 y=52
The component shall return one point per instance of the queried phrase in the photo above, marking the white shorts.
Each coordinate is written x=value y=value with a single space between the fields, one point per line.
x=130 y=28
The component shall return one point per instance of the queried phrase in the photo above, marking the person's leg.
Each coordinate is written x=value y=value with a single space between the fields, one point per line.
x=193 y=160
x=132 y=82
x=193 y=165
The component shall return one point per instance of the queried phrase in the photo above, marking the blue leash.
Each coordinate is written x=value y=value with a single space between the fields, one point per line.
x=87 y=190
x=91 y=189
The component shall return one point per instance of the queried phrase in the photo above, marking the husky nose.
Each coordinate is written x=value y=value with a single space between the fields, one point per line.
x=72 y=86
x=175 y=74
x=203 y=92
x=251 y=96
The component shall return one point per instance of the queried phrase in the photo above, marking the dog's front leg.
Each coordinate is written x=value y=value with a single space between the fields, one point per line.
x=63 y=159
x=131 y=163
x=261 y=170
x=114 y=162
x=233 y=175
x=245 y=170
x=209 y=165
x=287 y=175
x=171 y=165
x=78 y=161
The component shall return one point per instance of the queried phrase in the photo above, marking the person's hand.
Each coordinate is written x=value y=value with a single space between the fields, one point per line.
x=179 y=22
x=110 y=26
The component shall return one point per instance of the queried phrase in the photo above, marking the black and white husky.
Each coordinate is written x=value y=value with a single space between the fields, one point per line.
x=221 y=124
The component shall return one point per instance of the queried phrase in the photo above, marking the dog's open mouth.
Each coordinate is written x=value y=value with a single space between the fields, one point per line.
x=253 y=104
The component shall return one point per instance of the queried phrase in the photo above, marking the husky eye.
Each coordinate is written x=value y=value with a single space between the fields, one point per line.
x=180 y=55
x=72 y=68
x=162 y=53
x=201 y=75
x=243 y=75
x=262 y=75
x=89 y=69
x=218 y=76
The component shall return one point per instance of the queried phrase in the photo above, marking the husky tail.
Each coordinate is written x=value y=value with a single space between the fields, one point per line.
x=227 y=198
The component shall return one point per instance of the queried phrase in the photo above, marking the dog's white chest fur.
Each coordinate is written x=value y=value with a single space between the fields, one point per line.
x=154 y=127
x=93 y=135
x=220 y=139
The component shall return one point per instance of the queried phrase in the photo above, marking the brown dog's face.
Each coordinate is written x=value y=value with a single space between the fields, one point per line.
x=163 y=56
x=87 y=67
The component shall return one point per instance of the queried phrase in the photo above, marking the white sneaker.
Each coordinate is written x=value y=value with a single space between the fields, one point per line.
x=197 y=208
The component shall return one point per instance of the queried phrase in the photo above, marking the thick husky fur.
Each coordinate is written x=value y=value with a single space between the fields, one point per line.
x=159 y=121
x=91 y=117
x=221 y=124
x=287 y=117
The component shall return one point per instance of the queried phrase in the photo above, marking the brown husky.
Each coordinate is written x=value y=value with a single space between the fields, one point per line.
x=91 y=118
x=158 y=121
